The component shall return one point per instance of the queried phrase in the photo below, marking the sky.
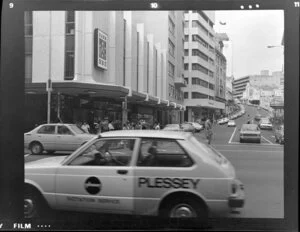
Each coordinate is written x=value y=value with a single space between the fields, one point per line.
x=250 y=32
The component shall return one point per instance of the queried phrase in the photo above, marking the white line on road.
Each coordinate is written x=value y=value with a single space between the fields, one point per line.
x=232 y=135
x=26 y=155
x=266 y=140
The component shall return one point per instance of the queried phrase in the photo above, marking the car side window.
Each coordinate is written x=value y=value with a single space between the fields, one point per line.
x=63 y=130
x=162 y=153
x=106 y=152
x=46 y=130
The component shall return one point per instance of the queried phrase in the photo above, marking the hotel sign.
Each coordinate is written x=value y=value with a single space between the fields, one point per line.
x=100 y=49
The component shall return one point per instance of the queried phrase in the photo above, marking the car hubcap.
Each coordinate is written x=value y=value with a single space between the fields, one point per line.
x=36 y=148
x=28 y=207
x=182 y=211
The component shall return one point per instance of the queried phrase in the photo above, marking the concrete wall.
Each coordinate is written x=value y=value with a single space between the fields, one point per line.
x=41 y=44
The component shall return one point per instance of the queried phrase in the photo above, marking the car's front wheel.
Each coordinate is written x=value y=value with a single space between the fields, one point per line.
x=33 y=203
x=36 y=148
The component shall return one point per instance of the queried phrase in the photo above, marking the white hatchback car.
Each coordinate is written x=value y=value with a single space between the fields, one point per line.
x=55 y=137
x=140 y=172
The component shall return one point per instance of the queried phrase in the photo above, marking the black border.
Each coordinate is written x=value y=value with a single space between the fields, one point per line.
x=12 y=102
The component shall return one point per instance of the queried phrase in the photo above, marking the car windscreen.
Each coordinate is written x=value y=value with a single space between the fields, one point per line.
x=76 y=129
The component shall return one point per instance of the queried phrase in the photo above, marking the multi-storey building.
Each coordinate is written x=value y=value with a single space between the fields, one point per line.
x=103 y=64
x=202 y=61
x=239 y=86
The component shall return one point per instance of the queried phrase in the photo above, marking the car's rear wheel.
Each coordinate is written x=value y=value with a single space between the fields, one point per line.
x=34 y=205
x=36 y=148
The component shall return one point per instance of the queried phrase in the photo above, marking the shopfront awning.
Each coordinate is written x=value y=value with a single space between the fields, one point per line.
x=79 y=89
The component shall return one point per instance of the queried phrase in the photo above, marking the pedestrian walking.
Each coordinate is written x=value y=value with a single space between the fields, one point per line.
x=110 y=126
x=85 y=127
x=208 y=130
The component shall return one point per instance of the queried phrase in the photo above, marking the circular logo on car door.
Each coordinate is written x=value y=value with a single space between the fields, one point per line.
x=93 y=185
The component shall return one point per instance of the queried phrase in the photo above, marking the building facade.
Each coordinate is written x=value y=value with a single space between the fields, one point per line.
x=103 y=65
x=204 y=67
x=239 y=86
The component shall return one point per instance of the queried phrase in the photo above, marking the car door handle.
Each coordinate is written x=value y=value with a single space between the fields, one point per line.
x=122 y=172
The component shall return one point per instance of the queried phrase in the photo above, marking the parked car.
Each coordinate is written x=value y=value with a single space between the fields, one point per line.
x=186 y=127
x=265 y=124
x=198 y=127
x=279 y=134
x=250 y=132
x=231 y=123
x=55 y=137
x=137 y=172
x=257 y=117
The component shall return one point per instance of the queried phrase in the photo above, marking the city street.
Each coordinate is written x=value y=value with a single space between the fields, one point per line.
x=258 y=166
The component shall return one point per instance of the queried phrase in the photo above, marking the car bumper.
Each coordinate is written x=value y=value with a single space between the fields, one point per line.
x=237 y=200
x=250 y=138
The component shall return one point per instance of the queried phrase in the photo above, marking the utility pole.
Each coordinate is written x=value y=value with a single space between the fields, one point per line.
x=49 y=83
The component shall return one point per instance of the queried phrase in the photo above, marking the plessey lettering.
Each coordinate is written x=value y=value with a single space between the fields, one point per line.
x=176 y=183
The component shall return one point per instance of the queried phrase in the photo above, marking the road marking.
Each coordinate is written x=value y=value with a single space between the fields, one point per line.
x=26 y=155
x=232 y=135
x=266 y=140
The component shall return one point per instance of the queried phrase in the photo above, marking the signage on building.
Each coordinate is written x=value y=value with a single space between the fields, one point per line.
x=100 y=49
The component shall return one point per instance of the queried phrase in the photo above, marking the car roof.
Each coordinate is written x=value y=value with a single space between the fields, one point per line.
x=246 y=126
x=146 y=134
x=55 y=124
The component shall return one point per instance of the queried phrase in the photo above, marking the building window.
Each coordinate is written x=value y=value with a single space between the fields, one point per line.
x=186 y=66
x=198 y=81
x=197 y=95
x=200 y=68
x=186 y=52
x=197 y=38
x=124 y=54
x=196 y=52
x=186 y=24
x=171 y=48
x=70 y=45
x=197 y=24
x=70 y=22
x=186 y=80
x=211 y=86
x=186 y=95
x=28 y=23
x=171 y=70
x=186 y=38
x=69 y=67
x=155 y=70
x=171 y=26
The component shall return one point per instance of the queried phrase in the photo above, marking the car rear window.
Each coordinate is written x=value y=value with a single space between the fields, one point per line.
x=204 y=149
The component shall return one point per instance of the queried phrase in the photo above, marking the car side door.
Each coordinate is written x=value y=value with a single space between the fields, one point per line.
x=99 y=178
x=46 y=136
x=66 y=139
